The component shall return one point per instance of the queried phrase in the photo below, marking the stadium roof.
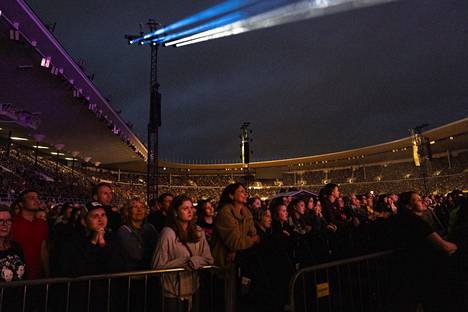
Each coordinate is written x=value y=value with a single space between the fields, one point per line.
x=40 y=79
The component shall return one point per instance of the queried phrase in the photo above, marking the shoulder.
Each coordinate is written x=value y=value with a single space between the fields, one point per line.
x=149 y=227
x=167 y=233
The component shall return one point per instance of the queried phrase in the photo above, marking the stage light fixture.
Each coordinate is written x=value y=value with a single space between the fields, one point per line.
x=14 y=138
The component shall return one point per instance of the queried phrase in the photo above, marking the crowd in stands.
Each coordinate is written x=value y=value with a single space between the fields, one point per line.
x=263 y=241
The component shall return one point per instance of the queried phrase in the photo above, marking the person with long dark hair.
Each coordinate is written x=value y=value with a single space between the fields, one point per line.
x=234 y=232
x=182 y=244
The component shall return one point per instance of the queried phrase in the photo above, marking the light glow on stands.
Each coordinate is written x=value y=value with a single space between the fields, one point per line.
x=14 y=138
x=59 y=154
x=42 y=147
x=236 y=17
x=45 y=62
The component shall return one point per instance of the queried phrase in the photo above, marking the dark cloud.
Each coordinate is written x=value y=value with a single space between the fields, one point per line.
x=342 y=81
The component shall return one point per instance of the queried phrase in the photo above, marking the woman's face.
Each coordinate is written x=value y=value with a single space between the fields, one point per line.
x=257 y=203
x=266 y=220
x=185 y=211
x=5 y=223
x=208 y=209
x=300 y=207
x=240 y=195
x=282 y=213
x=318 y=207
x=310 y=203
x=138 y=211
x=96 y=219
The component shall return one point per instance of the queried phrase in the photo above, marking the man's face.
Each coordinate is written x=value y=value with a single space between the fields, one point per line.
x=31 y=201
x=417 y=204
x=104 y=195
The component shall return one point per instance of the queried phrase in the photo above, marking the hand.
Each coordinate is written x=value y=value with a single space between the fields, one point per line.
x=231 y=257
x=451 y=248
x=190 y=265
x=255 y=239
x=286 y=233
x=332 y=227
x=98 y=237
x=356 y=222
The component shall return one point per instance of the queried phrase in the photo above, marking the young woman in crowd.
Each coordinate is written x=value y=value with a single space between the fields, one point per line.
x=182 y=244
x=136 y=237
x=205 y=220
x=91 y=250
x=234 y=232
x=296 y=214
x=271 y=267
x=254 y=203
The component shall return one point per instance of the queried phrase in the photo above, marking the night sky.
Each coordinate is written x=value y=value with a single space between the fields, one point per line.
x=337 y=82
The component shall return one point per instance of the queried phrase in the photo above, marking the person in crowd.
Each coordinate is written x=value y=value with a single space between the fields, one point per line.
x=15 y=208
x=32 y=235
x=136 y=237
x=328 y=196
x=102 y=193
x=270 y=267
x=158 y=218
x=234 y=232
x=182 y=244
x=11 y=254
x=282 y=231
x=296 y=212
x=254 y=203
x=423 y=254
x=205 y=220
x=92 y=250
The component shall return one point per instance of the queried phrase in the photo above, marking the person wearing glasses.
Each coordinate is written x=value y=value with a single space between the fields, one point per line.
x=11 y=255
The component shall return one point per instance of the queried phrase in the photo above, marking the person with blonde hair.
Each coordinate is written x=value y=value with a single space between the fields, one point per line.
x=136 y=237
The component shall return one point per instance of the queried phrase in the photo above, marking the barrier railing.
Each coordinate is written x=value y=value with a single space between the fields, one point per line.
x=356 y=284
x=129 y=291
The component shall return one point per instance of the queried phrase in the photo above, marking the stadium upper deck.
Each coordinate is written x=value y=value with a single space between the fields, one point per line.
x=45 y=92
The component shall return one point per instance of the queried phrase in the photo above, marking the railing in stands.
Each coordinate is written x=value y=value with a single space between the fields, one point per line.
x=130 y=291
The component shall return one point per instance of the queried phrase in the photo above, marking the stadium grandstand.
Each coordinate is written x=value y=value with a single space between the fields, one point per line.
x=319 y=232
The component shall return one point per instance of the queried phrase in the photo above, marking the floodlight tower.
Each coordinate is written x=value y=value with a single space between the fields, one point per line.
x=245 y=137
x=421 y=153
x=154 y=121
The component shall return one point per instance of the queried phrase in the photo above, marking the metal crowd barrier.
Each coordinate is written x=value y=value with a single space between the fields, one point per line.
x=357 y=284
x=129 y=291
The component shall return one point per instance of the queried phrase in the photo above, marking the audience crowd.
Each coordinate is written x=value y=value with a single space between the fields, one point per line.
x=257 y=244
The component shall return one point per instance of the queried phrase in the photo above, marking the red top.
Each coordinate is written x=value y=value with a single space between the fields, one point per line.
x=30 y=235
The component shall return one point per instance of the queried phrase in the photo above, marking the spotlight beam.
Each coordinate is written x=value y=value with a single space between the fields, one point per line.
x=217 y=10
x=294 y=12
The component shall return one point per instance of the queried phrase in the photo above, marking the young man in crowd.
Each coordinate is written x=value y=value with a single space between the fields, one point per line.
x=102 y=193
x=158 y=217
x=31 y=234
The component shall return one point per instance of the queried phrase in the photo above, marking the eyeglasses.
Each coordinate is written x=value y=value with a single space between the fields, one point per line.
x=5 y=221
